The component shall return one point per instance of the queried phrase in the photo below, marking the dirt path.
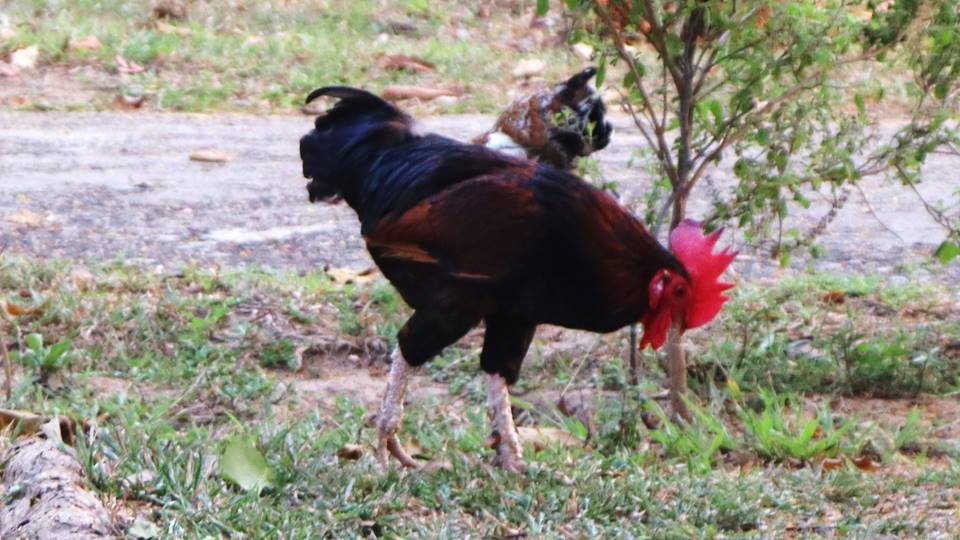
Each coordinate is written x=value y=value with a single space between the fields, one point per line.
x=97 y=185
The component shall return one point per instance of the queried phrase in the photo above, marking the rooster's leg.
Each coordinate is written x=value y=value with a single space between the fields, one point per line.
x=391 y=412
x=509 y=453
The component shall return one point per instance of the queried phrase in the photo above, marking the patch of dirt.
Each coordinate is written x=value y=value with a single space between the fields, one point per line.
x=105 y=385
x=122 y=184
x=940 y=415
x=326 y=377
x=56 y=86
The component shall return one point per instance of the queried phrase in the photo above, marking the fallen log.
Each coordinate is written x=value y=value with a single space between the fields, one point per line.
x=45 y=494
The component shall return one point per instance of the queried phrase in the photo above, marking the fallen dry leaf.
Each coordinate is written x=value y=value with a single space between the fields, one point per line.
x=438 y=465
x=542 y=437
x=86 y=43
x=127 y=66
x=530 y=67
x=6 y=70
x=866 y=463
x=834 y=297
x=763 y=14
x=28 y=218
x=165 y=28
x=582 y=51
x=397 y=91
x=403 y=62
x=350 y=451
x=350 y=275
x=15 y=310
x=211 y=156
x=27 y=423
x=82 y=279
x=831 y=464
x=25 y=58
x=129 y=102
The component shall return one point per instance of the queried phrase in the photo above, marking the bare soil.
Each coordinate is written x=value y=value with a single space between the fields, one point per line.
x=96 y=186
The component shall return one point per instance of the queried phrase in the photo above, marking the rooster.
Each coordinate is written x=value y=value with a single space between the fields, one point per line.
x=556 y=125
x=468 y=234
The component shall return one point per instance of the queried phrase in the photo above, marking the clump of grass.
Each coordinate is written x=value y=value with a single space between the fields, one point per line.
x=184 y=354
x=268 y=56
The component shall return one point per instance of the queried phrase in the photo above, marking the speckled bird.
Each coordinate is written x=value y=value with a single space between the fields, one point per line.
x=555 y=125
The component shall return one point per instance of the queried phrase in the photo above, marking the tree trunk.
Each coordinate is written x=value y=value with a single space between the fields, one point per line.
x=677 y=374
x=45 y=495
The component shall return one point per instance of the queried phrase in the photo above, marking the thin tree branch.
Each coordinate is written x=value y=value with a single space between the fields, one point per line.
x=873 y=213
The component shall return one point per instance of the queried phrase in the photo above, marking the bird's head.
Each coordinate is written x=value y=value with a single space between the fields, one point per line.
x=691 y=300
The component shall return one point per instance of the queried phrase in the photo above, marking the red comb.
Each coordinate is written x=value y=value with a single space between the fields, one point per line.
x=695 y=251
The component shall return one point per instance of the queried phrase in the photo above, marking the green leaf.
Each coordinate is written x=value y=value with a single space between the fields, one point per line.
x=941 y=89
x=948 y=251
x=244 y=465
x=601 y=71
x=716 y=109
x=57 y=350
x=34 y=342
x=858 y=100
x=573 y=4
x=543 y=6
x=629 y=81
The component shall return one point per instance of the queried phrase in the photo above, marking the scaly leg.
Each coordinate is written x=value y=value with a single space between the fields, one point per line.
x=391 y=412
x=509 y=452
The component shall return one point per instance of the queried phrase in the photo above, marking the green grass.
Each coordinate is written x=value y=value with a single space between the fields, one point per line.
x=268 y=55
x=170 y=367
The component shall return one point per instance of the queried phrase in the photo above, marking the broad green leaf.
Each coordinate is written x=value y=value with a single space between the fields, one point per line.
x=858 y=101
x=244 y=465
x=948 y=251
x=941 y=89
x=601 y=71
x=543 y=6
x=57 y=350
x=34 y=342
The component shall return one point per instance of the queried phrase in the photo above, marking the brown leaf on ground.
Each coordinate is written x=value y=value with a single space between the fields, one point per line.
x=529 y=68
x=395 y=92
x=165 y=28
x=350 y=275
x=86 y=43
x=763 y=14
x=866 y=463
x=401 y=62
x=129 y=103
x=542 y=437
x=31 y=219
x=834 y=297
x=438 y=465
x=127 y=66
x=18 y=311
x=6 y=70
x=831 y=464
x=170 y=9
x=27 y=423
x=25 y=58
x=211 y=155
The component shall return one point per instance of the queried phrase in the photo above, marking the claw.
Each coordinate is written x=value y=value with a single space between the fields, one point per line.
x=387 y=421
x=393 y=445
x=509 y=452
